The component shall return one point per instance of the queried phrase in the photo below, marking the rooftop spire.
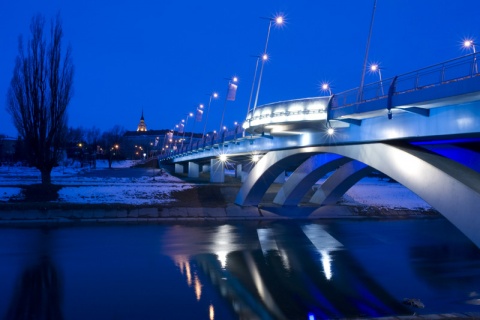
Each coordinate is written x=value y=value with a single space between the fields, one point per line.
x=141 y=125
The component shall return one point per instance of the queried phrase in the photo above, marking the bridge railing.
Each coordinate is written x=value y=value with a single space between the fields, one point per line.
x=212 y=140
x=452 y=70
x=435 y=75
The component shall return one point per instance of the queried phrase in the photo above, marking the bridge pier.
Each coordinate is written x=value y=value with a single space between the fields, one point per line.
x=178 y=168
x=246 y=169
x=238 y=170
x=217 y=171
x=193 y=170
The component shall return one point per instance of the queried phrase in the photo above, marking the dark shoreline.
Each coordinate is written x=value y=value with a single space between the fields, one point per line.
x=203 y=202
x=76 y=213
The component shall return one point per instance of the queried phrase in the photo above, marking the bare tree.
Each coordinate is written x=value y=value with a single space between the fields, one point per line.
x=93 y=138
x=111 y=141
x=39 y=93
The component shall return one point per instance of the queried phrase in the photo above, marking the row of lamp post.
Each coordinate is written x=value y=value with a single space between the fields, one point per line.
x=230 y=95
x=375 y=68
x=181 y=127
x=260 y=62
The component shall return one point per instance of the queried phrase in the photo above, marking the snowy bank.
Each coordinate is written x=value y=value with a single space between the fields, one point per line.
x=90 y=186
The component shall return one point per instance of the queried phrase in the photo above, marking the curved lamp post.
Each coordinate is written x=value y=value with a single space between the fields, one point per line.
x=277 y=21
x=213 y=95
x=374 y=68
x=231 y=82
x=470 y=44
x=198 y=114
x=185 y=129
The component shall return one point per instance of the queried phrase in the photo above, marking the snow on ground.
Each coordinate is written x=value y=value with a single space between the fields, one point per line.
x=80 y=187
x=381 y=193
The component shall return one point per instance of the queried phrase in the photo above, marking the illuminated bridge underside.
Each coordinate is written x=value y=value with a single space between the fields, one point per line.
x=339 y=182
x=450 y=187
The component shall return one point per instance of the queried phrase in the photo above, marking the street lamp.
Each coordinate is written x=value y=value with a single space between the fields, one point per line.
x=179 y=127
x=374 y=68
x=198 y=115
x=213 y=95
x=231 y=91
x=185 y=128
x=470 y=44
x=278 y=20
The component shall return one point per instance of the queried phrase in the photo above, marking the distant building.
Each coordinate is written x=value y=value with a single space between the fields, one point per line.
x=142 y=144
x=145 y=144
x=141 y=125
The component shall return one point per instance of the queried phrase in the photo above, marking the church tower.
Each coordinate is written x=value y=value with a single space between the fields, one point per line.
x=141 y=125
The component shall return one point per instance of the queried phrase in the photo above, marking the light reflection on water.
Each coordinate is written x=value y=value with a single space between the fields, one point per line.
x=241 y=270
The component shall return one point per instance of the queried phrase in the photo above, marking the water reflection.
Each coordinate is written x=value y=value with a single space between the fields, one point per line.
x=290 y=273
x=38 y=292
x=242 y=270
x=324 y=243
x=222 y=243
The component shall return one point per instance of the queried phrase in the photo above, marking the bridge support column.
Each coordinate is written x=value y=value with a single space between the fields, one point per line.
x=193 y=170
x=238 y=170
x=217 y=171
x=205 y=168
x=280 y=178
x=178 y=168
x=246 y=168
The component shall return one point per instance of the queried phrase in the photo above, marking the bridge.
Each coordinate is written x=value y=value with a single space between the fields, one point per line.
x=421 y=128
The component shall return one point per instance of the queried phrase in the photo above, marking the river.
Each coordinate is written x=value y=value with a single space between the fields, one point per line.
x=238 y=270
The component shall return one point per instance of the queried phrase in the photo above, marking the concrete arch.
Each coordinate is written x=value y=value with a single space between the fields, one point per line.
x=449 y=187
x=265 y=172
x=339 y=182
x=306 y=175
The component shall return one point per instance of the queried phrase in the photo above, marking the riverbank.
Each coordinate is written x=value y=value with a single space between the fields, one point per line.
x=201 y=202
x=126 y=194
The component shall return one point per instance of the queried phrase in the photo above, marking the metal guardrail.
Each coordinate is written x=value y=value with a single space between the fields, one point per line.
x=210 y=141
x=435 y=75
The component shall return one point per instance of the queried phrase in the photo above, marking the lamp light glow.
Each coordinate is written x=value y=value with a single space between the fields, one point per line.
x=467 y=43
x=325 y=86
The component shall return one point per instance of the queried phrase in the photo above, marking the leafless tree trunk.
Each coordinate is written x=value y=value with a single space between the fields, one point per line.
x=111 y=143
x=39 y=93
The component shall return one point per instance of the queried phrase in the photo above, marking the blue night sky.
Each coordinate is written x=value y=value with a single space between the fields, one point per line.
x=165 y=57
